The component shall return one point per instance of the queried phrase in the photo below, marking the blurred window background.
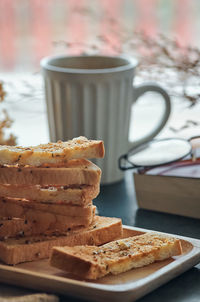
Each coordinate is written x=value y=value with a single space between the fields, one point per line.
x=33 y=29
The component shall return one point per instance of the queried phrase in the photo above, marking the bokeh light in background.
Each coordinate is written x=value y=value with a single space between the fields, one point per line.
x=32 y=29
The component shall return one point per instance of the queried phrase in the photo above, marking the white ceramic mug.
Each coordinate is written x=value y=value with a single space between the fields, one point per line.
x=93 y=96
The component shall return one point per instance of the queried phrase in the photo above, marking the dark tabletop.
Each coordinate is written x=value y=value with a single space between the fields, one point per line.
x=118 y=200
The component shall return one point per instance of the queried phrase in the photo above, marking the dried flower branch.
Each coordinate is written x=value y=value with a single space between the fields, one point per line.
x=2 y=92
x=161 y=58
x=6 y=122
x=177 y=65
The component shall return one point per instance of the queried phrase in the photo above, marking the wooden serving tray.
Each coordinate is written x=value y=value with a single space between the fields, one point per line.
x=128 y=286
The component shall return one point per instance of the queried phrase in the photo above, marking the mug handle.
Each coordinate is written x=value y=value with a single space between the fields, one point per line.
x=139 y=91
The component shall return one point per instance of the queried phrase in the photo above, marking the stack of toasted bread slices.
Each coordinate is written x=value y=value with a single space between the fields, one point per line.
x=46 y=195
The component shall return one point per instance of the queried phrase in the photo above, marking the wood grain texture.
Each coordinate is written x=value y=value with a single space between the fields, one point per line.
x=128 y=286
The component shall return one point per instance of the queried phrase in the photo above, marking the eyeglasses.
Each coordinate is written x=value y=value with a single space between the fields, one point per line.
x=159 y=152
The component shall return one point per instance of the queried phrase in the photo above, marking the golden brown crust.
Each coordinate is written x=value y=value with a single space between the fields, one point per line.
x=115 y=257
x=59 y=152
x=102 y=230
x=58 y=209
x=74 y=195
x=21 y=228
x=75 y=172
x=43 y=221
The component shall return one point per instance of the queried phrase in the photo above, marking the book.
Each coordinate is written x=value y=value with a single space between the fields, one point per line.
x=173 y=188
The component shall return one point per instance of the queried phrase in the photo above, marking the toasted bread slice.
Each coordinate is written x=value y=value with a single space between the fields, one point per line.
x=43 y=221
x=74 y=172
x=59 y=152
x=20 y=205
x=91 y=262
x=102 y=230
x=21 y=227
x=74 y=195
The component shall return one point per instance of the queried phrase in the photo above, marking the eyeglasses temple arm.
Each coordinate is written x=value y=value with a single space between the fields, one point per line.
x=122 y=160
